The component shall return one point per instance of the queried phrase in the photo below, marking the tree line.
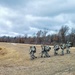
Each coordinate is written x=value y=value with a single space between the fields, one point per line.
x=62 y=36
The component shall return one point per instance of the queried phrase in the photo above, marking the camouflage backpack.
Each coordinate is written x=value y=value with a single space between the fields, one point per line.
x=63 y=46
x=47 y=48
x=56 y=47
x=70 y=44
x=33 y=49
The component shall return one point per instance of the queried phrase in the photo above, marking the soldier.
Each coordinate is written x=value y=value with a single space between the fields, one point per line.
x=63 y=46
x=45 y=50
x=68 y=45
x=32 y=51
x=56 y=48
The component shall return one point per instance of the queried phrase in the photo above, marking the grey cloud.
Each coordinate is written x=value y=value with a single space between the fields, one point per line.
x=41 y=7
x=14 y=3
x=50 y=8
x=29 y=16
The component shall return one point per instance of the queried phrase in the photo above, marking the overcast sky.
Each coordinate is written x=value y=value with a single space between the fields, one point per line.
x=19 y=17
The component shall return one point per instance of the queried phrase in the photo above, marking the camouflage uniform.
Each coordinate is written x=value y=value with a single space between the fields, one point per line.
x=63 y=46
x=32 y=51
x=56 y=48
x=68 y=45
x=45 y=50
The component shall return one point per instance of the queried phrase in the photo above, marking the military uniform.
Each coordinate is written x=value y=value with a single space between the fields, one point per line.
x=32 y=51
x=63 y=46
x=68 y=45
x=56 y=48
x=45 y=50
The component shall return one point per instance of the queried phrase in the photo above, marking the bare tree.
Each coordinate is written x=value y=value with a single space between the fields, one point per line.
x=38 y=36
x=62 y=33
x=44 y=34
x=72 y=36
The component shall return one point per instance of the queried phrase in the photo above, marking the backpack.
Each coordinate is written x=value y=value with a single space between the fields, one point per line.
x=56 y=47
x=47 y=48
x=33 y=49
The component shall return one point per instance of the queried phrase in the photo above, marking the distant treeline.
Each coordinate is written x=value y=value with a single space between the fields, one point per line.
x=41 y=37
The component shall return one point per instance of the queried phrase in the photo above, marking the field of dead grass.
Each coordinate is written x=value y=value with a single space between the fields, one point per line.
x=15 y=60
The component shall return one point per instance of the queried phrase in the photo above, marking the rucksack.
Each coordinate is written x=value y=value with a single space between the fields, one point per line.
x=33 y=49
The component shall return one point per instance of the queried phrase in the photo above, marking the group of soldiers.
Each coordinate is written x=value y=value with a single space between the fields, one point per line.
x=47 y=48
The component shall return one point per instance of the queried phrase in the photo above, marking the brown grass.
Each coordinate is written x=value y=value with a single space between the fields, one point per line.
x=16 y=61
x=3 y=51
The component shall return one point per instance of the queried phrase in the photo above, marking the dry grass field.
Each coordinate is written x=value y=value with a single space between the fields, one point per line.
x=15 y=60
